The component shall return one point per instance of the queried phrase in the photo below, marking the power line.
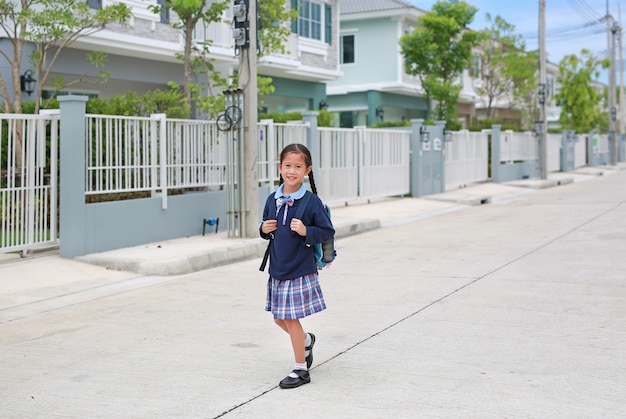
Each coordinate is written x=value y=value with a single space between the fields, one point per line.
x=586 y=11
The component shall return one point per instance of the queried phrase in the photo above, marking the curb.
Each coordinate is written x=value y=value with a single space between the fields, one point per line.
x=201 y=260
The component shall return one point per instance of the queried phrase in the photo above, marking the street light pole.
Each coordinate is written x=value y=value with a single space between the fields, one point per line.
x=611 y=31
x=249 y=191
x=542 y=125
x=622 y=114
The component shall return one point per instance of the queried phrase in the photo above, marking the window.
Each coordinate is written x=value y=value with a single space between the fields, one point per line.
x=95 y=4
x=475 y=66
x=47 y=94
x=309 y=20
x=347 y=49
x=549 y=87
x=165 y=12
x=314 y=20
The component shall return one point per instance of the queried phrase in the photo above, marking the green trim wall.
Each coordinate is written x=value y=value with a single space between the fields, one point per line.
x=312 y=91
x=415 y=107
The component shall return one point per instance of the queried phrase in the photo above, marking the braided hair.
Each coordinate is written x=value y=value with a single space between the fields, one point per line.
x=299 y=148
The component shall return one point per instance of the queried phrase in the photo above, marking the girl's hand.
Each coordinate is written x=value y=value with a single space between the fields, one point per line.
x=269 y=226
x=297 y=226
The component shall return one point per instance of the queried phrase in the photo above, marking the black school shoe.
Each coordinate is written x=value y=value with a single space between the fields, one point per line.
x=303 y=377
x=309 y=359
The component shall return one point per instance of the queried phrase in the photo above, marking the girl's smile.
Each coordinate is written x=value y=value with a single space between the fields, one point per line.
x=293 y=169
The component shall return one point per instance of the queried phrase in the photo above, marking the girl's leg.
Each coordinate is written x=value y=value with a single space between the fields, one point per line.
x=281 y=324
x=297 y=335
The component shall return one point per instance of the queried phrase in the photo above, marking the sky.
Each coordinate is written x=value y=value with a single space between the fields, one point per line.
x=565 y=20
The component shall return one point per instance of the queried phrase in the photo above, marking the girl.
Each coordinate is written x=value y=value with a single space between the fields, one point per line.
x=293 y=291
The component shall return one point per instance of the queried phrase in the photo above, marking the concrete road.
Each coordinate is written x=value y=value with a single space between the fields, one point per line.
x=512 y=309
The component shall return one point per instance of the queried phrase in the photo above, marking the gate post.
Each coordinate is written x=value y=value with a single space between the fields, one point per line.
x=415 y=161
x=567 y=163
x=592 y=149
x=72 y=180
x=427 y=158
x=312 y=142
x=495 y=154
x=439 y=155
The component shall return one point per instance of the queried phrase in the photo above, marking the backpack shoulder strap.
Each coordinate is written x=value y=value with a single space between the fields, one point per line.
x=303 y=203
x=272 y=213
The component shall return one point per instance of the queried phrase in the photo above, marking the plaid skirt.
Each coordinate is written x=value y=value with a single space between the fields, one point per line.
x=294 y=298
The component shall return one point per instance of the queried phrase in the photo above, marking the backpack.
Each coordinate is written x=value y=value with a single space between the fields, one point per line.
x=324 y=252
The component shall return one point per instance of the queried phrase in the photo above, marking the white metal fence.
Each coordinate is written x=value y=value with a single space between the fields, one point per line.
x=28 y=181
x=338 y=177
x=362 y=163
x=385 y=164
x=467 y=158
x=518 y=146
x=355 y=163
x=554 y=152
x=130 y=154
x=155 y=154
x=273 y=137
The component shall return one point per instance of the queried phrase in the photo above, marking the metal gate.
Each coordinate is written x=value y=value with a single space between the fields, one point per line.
x=427 y=159
x=28 y=181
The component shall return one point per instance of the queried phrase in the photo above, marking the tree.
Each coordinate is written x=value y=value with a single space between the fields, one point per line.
x=579 y=100
x=502 y=52
x=522 y=70
x=438 y=51
x=50 y=26
x=194 y=14
x=196 y=56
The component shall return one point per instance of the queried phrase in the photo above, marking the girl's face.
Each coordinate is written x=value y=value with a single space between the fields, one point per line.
x=293 y=169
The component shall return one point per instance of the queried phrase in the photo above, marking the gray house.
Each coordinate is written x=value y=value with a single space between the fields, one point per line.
x=142 y=55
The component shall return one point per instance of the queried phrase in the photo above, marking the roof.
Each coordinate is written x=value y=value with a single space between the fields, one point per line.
x=364 y=6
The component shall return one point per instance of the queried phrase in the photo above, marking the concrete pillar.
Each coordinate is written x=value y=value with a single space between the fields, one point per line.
x=72 y=209
x=439 y=146
x=311 y=138
x=495 y=153
x=415 y=162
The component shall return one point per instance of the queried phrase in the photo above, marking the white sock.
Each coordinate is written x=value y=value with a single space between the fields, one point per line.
x=297 y=366
x=307 y=342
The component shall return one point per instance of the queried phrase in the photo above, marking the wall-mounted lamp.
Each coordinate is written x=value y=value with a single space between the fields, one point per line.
x=323 y=105
x=27 y=82
x=380 y=113
x=447 y=135
x=424 y=133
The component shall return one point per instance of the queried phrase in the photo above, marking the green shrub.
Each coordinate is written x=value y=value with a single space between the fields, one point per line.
x=387 y=124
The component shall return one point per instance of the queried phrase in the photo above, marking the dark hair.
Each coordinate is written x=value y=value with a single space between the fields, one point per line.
x=299 y=148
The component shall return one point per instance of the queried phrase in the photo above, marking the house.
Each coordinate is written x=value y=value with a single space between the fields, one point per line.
x=300 y=76
x=142 y=54
x=374 y=85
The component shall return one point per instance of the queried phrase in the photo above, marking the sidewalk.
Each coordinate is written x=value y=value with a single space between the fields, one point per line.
x=192 y=254
x=45 y=274
x=508 y=309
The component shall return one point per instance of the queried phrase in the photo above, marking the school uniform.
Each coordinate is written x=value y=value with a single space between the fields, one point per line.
x=293 y=290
